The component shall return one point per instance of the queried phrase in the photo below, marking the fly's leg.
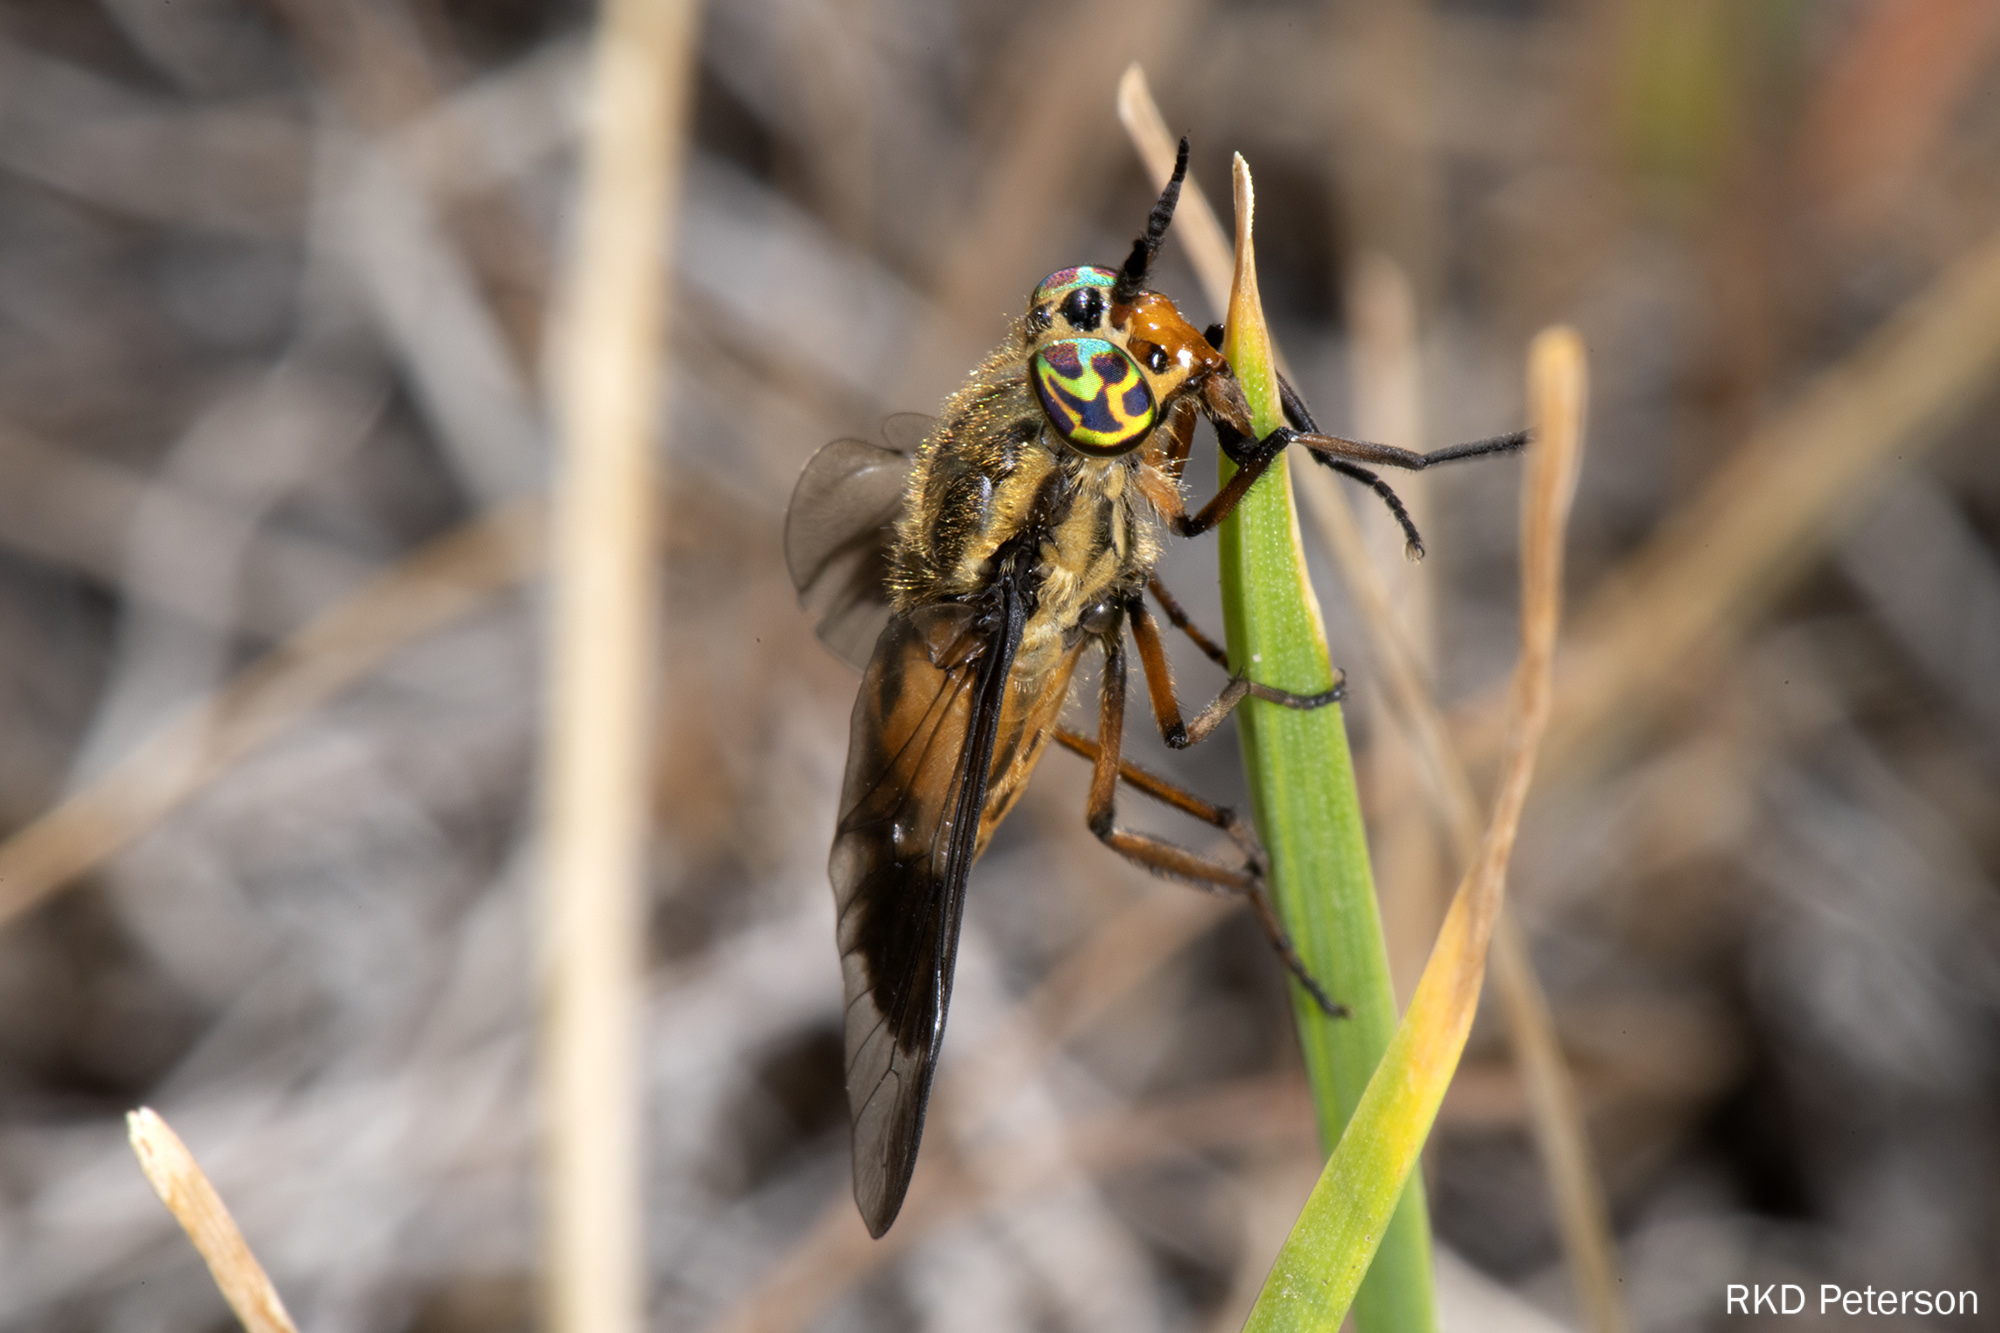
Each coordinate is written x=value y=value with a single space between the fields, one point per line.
x=1167 y=709
x=1160 y=856
x=1333 y=452
x=1254 y=457
x=1180 y=621
x=1179 y=798
x=1338 y=454
x=1177 y=440
x=1224 y=401
x=1251 y=462
x=1332 y=446
x=1165 y=456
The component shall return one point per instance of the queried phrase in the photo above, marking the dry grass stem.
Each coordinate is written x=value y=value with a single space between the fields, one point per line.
x=596 y=806
x=1321 y=1265
x=1196 y=227
x=1768 y=513
x=177 y=1178
x=439 y=584
x=1556 y=397
x=1555 y=1113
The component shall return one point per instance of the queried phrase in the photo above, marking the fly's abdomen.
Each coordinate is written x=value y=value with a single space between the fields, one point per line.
x=1034 y=703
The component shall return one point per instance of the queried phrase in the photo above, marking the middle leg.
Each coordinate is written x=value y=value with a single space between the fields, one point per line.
x=1181 y=621
x=1163 y=857
x=1160 y=681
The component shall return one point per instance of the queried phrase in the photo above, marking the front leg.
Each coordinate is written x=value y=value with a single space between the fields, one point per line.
x=1251 y=463
x=1223 y=399
x=1253 y=460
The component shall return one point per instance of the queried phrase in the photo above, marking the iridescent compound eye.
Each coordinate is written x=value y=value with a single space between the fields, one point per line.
x=1095 y=396
x=1065 y=280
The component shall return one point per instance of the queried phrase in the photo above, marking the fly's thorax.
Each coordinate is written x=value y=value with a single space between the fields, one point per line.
x=977 y=483
x=1066 y=404
x=1104 y=547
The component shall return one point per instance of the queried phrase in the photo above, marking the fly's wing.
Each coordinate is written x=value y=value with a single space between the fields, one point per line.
x=837 y=535
x=905 y=432
x=918 y=762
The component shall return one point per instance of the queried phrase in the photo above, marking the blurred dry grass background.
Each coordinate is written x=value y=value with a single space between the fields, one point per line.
x=274 y=276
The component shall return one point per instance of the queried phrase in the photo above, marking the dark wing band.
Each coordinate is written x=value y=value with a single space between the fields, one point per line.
x=918 y=763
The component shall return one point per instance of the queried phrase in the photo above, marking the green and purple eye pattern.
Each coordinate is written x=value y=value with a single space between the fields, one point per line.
x=1094 y=394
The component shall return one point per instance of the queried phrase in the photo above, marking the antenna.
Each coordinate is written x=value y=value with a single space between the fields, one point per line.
x=1132 y=278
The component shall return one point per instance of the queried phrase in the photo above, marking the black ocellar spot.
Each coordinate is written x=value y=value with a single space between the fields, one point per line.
x=1084 y=308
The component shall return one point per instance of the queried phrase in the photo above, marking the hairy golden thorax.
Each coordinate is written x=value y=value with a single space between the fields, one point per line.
x=992 y=470
x=998 y=467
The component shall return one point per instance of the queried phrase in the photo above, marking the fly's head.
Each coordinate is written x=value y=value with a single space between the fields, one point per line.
x=1106 y=371
x=1107 y=358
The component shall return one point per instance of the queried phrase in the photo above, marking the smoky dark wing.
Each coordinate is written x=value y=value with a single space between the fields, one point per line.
x=917 y=770
x=837 y=535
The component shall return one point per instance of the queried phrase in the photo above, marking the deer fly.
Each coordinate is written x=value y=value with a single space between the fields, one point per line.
x=968 y=575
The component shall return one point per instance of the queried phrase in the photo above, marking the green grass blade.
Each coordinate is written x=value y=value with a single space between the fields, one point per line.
x=1317 y=1270
x=1301 y=780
